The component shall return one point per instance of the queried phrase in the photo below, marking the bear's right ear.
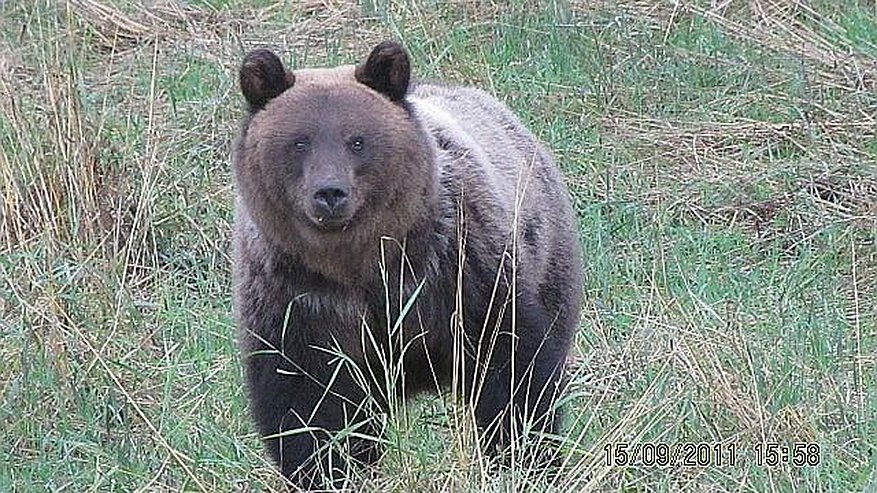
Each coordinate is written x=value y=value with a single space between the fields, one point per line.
x=263 y=78
x=387 y=70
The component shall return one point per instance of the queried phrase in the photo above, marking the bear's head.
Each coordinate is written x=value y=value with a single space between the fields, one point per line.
x=332 y=160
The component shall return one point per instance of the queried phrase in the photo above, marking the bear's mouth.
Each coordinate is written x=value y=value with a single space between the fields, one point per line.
x=330 y=224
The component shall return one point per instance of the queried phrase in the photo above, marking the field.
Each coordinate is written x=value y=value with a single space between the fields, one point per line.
x=723 y=161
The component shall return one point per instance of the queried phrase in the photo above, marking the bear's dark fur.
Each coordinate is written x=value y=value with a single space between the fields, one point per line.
x=381 y=227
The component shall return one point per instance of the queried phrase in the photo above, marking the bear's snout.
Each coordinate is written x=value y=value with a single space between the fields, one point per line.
x=330 y=204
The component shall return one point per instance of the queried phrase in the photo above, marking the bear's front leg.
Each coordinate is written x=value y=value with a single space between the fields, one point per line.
x=516 y=376
x=299 y=404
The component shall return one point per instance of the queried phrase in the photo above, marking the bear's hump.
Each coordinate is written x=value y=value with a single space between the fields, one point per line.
x=327 y=77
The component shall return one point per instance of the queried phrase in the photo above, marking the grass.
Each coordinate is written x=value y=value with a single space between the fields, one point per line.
x=721 y=155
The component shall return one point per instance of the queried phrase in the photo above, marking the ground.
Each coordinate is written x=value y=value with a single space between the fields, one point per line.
x=722 y=160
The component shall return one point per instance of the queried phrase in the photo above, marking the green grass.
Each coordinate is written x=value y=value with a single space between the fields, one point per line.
x=723 y=166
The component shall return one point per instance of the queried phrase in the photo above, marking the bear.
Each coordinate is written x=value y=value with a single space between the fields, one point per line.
x=393 y=237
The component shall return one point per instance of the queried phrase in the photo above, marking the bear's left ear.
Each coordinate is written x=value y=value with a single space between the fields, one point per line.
x=263 y=78
x=387 y=70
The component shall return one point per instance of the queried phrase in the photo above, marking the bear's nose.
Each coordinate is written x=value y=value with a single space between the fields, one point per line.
x=330 y=200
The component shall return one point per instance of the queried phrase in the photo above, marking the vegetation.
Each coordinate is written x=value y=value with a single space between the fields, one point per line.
x=723 y=159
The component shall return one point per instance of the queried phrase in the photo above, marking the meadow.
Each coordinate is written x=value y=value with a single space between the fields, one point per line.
x=722 y=156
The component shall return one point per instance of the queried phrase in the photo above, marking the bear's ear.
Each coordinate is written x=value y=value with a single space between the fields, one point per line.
x=263 y=78
x=387 y=70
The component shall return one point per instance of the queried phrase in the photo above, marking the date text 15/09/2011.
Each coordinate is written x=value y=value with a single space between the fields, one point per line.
x=706 y=454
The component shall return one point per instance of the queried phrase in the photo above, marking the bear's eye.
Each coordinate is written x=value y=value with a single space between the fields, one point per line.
x=356 y=144
x=301 y=145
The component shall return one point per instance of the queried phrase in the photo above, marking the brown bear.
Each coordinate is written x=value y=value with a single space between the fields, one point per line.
x=390 y=238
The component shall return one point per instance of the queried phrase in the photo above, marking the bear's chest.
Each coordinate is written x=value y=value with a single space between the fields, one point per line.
x=360 y=322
